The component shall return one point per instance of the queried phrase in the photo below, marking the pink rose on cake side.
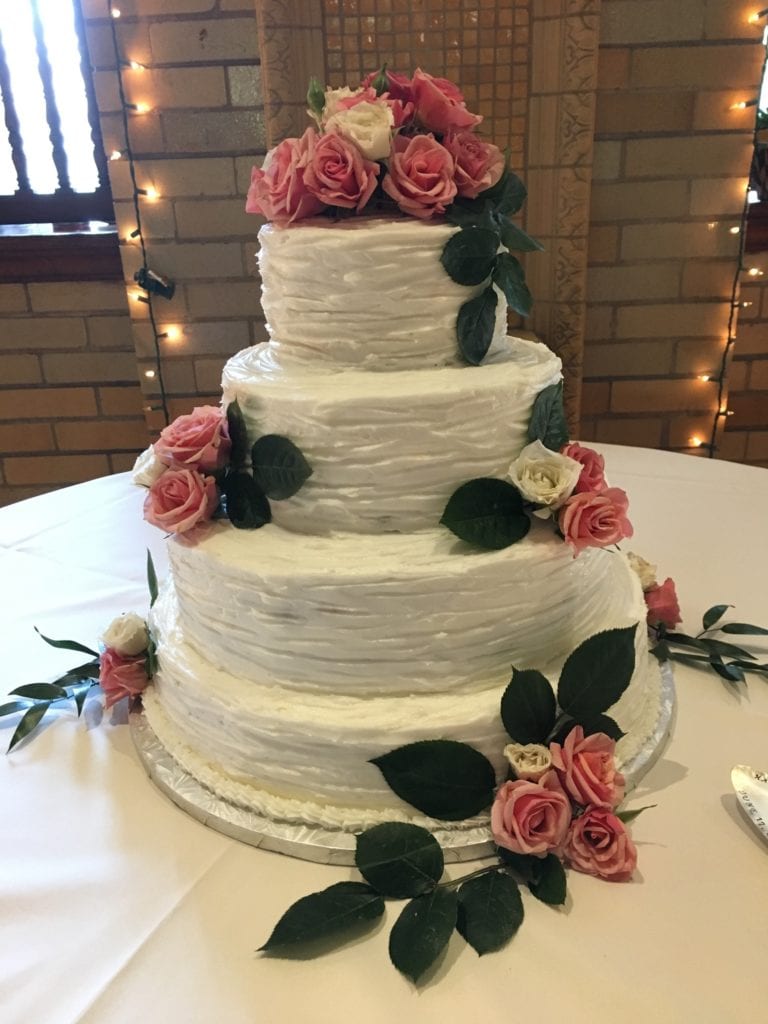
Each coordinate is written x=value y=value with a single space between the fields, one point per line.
x=586 y=769
x=595 y=520
x=198 y=440
x=121 y=676
x=277 y=189
x=592 y=467
x=420 y=177
x=530 y=817
x=337 y=173
x=180 y=499
x=599 y=844
x=479 y=165
x=440 y=105
x=662 y=604
x=398 y=86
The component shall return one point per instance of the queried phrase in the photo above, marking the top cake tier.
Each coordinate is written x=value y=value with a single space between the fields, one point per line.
x=365 y=293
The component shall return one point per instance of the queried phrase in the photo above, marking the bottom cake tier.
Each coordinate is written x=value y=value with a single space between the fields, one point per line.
x=303 y=755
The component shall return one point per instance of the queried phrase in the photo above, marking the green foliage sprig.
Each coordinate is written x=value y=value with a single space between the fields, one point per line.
x=730 y=661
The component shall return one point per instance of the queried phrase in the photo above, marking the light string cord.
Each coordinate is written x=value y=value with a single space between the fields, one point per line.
x=137 y=211
x=720 y=413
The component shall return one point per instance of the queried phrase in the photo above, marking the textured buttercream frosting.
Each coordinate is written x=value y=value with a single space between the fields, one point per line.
x=365 y=293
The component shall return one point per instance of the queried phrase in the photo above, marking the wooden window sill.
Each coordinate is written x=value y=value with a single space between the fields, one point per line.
x=59 y=252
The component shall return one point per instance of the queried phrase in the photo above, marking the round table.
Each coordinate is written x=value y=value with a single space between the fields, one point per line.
x=117 y=907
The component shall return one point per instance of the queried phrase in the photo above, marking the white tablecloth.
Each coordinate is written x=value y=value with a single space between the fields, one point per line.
x=117 y=907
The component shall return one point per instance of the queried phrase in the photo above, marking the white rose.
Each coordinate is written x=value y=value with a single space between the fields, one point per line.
x=543 y=476
x=127 y=635
x=332 y=98
x=645 y=571
x=529 y=761
x=147 y=468
x=368 y=125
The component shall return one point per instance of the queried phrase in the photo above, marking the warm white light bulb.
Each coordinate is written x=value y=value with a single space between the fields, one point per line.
x=173 y=333
x=704 y=377
x=116 y=12
x=696 y=442
x=135 y=66
x=149 y=373
x=754 y=272
x=734 y=230
x=115 y=155
x=152 y=193
x=142 y=108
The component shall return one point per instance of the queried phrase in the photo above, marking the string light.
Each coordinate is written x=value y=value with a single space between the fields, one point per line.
x=755 y=272
x=704 y=377
x=171 y=333
x=142 y=108
x=115 y=155
x=152 y=193
x=135 y=66
x=115 y=12
x=734 y=230
x=696 y=441
x=149 y=373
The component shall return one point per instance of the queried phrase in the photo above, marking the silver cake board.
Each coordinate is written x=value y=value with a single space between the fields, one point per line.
x=325 y=846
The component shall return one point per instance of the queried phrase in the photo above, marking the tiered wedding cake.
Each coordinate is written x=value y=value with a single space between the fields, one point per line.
x=355 y=622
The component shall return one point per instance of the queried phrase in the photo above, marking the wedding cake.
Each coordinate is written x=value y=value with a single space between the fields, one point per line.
x=378 y=525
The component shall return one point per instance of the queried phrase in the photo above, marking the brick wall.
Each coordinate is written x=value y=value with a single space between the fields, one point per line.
x=671 y=160
x=746 y=431
x=195 y=146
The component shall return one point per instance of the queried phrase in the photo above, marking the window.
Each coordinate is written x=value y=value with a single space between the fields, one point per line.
x=52 y=166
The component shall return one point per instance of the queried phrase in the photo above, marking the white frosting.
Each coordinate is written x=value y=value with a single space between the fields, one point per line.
x=306 y=757
x=388 y=450
x=364 y=293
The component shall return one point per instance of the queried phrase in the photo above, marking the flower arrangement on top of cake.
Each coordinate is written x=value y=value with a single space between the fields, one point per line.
x=394 y=141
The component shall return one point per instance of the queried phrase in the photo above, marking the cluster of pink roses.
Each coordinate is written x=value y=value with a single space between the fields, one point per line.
x=183 y=493
x=563 y=802
x=595 y=515
x=365 y=139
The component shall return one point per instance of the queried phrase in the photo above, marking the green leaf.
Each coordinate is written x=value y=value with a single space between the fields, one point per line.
x=39 y=691
x=629 y=816
x=475 y=325
x=528 y=707
x=549 y=887
x=151 y=579
x=90 y=670
x=422 y=931
x=279 y=468
x=705 y=643
x=714 y=614
x=67 y=645
x=443 y=778
x=238 y=435
x=661 y=651
x=79 y=693
x=150 y=661
x=469 y=256
x=508 y=275
x=247 y=505
x=548 y=423
x=324 y=914
x=730 y=672
x=526 y=866
x=515 y=238
x=472 y=213
x=744 y=629
x=381 y=83
x=13 y=707
x=508 y=194
x=398 y=859
x=316 y=96
x=487 y=512
x=596 y=674
x=562 y=727
x=28 y=723
x=490 y=911
x=601 y=723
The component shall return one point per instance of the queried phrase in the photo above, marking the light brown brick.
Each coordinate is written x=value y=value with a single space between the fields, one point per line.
x=749 y=410
x=189 y=41
x=58 y=469
x=122 y=462
x=91 y=296
x=647 y=358
x=222 y=338
x=189 y=261
x=677 y=319
x=104 y=436
x=31 y=333
x=700 y=357
x=13 y=298
x=133 y=38
x=621 y=113
x=639 y=200
x=752 y=339
x=757 y=445
x=673 y=239
x=718 y=197
x=738 y=373
x=692 y=67
x=212 y=218
x=169 y=88
x=642 y=281
x=121 y=401
x=758 y=377
x=683 y=429
x=223 y=131
x=243 y=167
x=235 y=298
x=144 y=8
x=208 y=374
x=146 y=131
x=113 y=367
x=157 y=221
x=642 y=433
x=678 y=155
x=606 y=160
x=714 y=110
x=658 y=396
x=651 y=21
x=603 y=243
x=178 y=377
x=599 y=322
x=613 y=68
x=203 y=176
x=47 y=403
x=595 y=398
x=707 y=280
x=730 y=21
x=110 y=332
x=9 y=495
x=245 y=85
x=733 y=446
x=25 y=437
x=19 y=370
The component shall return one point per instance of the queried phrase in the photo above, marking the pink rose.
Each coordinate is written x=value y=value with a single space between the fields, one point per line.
x=599 y=844
x=595 y=520
x=530 y=817
x=121 y=676
x=199 y=440
x=439 y=105
x=338 y=174
x=479 y=165
x=180 y=499
x=398 y=86
x=420 y=177
x=364 y=95
x=661 y=601
x=277 y=187
x=593 y=467
x=402 y=112
x=586 y=770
